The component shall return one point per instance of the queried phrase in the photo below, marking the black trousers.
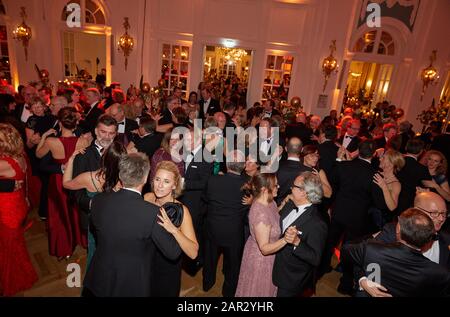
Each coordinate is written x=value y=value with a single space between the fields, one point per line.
x=232 y=256
x=43 y=199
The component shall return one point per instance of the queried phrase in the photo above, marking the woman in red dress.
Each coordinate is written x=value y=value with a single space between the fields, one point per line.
x=16 y=271
x=64 y=231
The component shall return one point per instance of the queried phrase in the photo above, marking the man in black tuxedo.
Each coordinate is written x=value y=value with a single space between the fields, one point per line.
x=328 y=149
x=434 y=205
x=403 y=270
x=389 y=131
x=269 y=109
x=411 y=175
x=208 y=105
x=225 y=225
x=293 y=270
x=93 y=112
x=147 y=140
x=127 y=232
x=177 y=92
x=299 y=129
x=125 y=126
x=22 y=111
x=350 y=139
x=166 y=122
x=289 y=169
x=356 y=193
x=198 y=169
x=105 y=132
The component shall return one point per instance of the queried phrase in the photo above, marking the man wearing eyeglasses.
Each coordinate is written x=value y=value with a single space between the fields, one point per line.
x=437 y=251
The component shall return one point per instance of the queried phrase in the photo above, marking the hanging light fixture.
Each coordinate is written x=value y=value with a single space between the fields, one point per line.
x=232 y=54
x=429 y=75
x=329 y=64
x=126 y=42
x=22 y=32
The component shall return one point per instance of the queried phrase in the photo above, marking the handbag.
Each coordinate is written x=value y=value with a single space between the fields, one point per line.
x=175 y=212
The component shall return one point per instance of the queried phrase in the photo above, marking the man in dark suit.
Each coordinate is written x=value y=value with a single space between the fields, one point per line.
x=208 y=105
x=225 y=225
x=147 y=140
x=400 y=267
x=289 y=169
x=433 y=205
x=125 y=126
x=328 y=149
x=356 y=193
x=350 y=139
x=177 y=92
x=299 y=129
x=166 y=121
x=269 y=109
x=389 y=131
x=105 y=132
x=93 y=112
x=411 y=175
x=22 y=111
x=293 y=270
x=127 y=232
x=198 y=169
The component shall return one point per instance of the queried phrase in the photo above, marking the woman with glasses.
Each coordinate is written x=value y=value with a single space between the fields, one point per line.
x=310 y=159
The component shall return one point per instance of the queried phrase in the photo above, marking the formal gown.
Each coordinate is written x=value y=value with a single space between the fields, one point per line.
x=64 y=230
x=16 y=271
x=255 y=277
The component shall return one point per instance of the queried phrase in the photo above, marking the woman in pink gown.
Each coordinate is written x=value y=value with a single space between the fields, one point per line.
x=64 y=230
x=255 y=276
x=16 y=271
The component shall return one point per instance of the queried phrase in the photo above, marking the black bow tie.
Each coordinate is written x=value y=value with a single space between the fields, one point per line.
x=121 y=123
x=349 y=136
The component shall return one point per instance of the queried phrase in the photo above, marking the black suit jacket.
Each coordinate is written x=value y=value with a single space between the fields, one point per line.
x=225 y=211
x=195 y=180
x=286 y=174
x=90 y=121
x=404 y=272
x=410 y=176
x=380 y=142
x=294 y=267
x=213 y=107
x=130 y=125
x=148 y=144
x=356 y=193
x=388 y=235
x=125 y=227
x=299 y=130
x=328 y=154
x=353 y=145
x=88 y=162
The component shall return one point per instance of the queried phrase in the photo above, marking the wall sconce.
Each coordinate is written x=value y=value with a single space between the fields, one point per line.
x=429 y=75
x=22 y=32
x=329 y=64
x=126 y=42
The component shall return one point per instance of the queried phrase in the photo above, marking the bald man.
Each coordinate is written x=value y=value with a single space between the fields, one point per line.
x=125 y=126
x=434 y=206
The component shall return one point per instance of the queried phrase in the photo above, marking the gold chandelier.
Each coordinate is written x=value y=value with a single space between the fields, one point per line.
x=429 y=75
x=22 y=32
x=126 y=42
x=329 y=64
x=232 y=54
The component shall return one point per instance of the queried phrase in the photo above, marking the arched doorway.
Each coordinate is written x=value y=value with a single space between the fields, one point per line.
x=86 y=49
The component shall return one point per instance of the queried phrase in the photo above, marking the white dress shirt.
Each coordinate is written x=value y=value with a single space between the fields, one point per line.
x=433 y=253
x=265 y=145
x=293 y=215
x=205 y=106
x=133 y=190
x=347 y=139
x=191 y=156
x=121 y=126
x=25 y=114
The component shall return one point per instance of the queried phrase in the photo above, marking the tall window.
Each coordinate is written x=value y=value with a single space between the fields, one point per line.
x=70 y=67
x=380 y=42
x=175 y=68
x=277 y=78
x=93 y=12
